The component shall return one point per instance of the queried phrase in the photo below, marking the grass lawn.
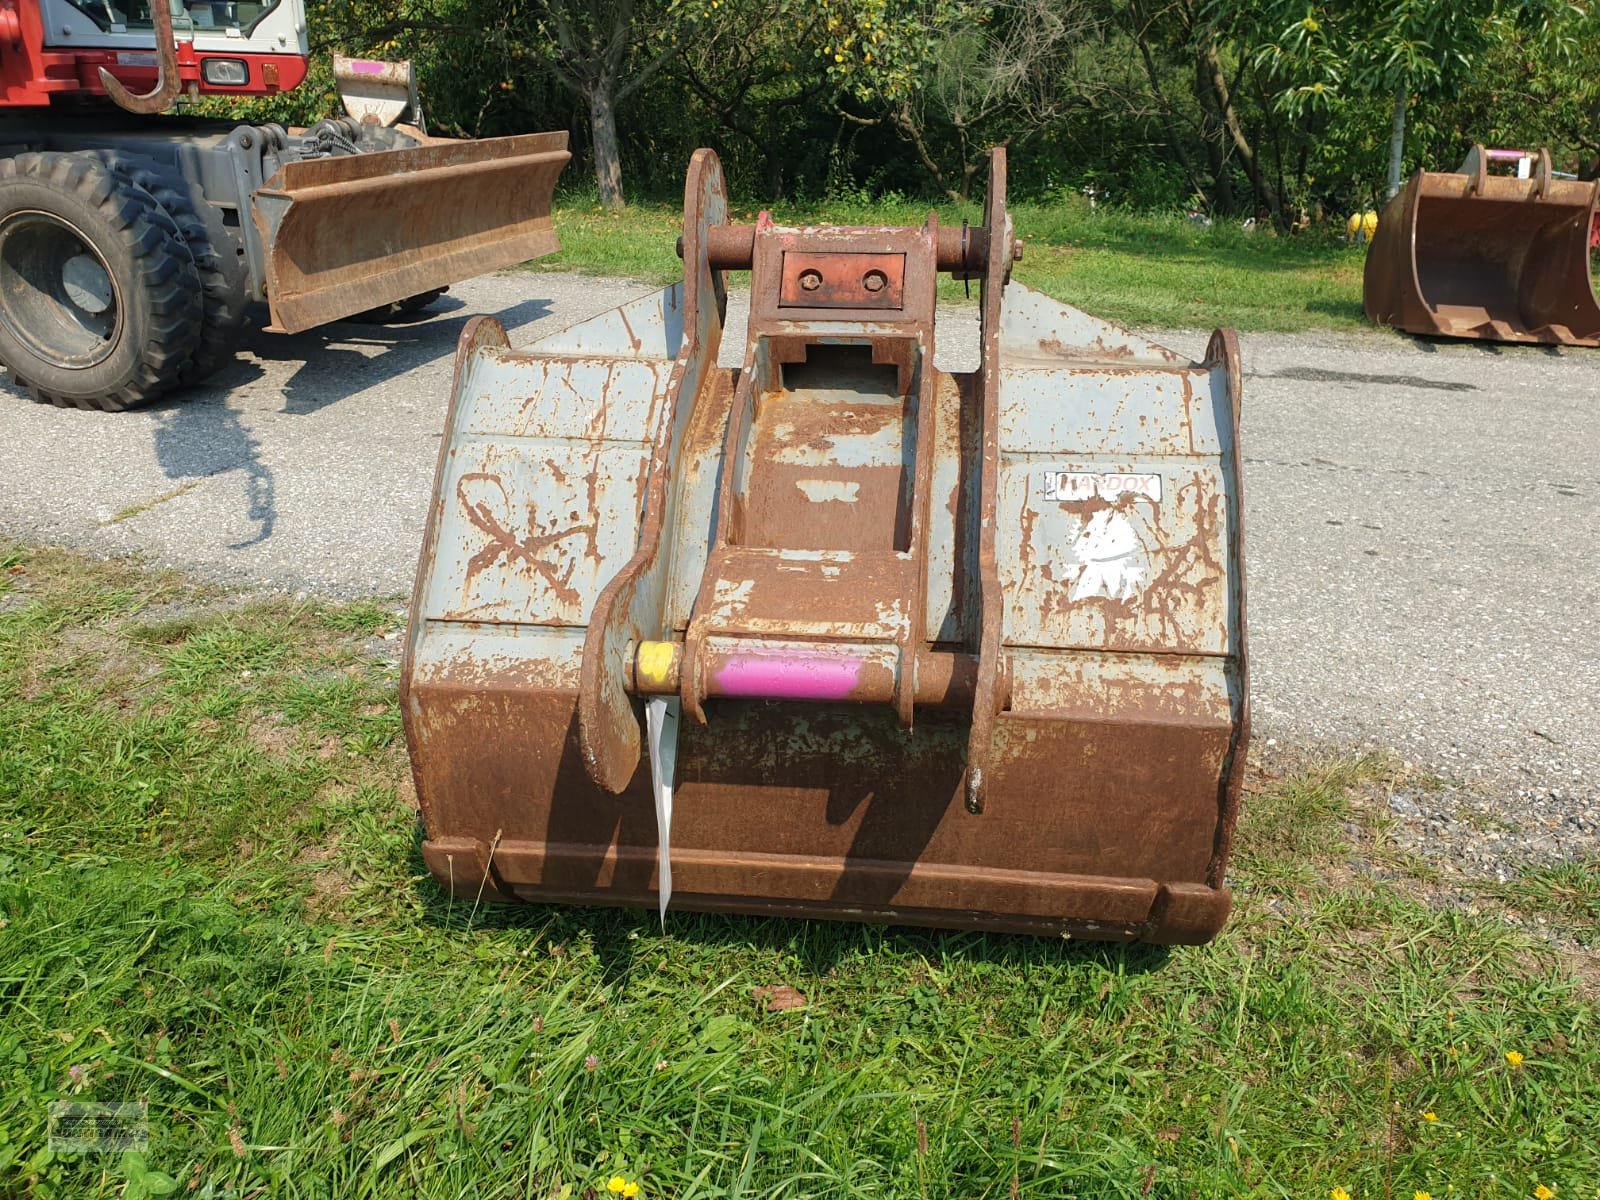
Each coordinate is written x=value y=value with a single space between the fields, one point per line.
x=1140 y=270
x=211 y=899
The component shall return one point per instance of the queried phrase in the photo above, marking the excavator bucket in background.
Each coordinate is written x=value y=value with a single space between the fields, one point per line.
x=837 y=633
x=1476 y=255
x=347 y=233
x=378 y=93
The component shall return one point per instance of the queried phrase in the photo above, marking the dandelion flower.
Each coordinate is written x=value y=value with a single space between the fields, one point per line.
x=1430 y=1115
x=616 y=1184
x=1514 y=1057
x=1338 y=1193
x=1544 y=1193
x=630 y=1191
x=1421 y=1196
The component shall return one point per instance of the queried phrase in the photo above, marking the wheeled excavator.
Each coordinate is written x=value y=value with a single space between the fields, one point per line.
x=135 y=243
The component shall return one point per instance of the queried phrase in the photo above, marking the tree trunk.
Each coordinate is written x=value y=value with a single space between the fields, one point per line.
x=1169 y=121
x=1212 y=76
x=1397 y=141
x=906 y=122
x=775 y=162
x=607 y=156
x=1215 y=139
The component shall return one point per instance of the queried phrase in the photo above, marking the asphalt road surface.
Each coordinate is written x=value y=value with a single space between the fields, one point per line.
x=1423 y=520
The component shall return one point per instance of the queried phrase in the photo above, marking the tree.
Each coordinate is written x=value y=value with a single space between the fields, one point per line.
x=1200 y=35
x=954 y=77
x=756 y=69
x=1543 y=89
x=605 y=50
x=1397 y=49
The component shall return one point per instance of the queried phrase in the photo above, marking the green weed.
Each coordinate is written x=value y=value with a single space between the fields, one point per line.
x=1151 y=271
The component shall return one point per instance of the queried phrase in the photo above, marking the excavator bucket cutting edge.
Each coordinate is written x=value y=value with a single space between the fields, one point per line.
x=1469 y=254
x=837 y=633
x=351 y=232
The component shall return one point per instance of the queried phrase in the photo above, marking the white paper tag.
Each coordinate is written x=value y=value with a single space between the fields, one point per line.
x=661 y=720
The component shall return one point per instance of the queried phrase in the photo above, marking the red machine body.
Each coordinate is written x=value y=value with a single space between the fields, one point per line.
x=34 y=73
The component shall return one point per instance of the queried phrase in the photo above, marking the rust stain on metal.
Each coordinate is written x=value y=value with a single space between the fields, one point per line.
x=504 y=545
x=842 y=280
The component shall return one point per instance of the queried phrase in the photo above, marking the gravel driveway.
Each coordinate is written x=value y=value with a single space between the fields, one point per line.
x=1423 y=520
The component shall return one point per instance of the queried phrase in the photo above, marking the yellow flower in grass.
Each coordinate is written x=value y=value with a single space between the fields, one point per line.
x=1338 y=1193
x=1544 y=1193
x=1421 y=1196
x=1430 y=1115
x=1514 y=1057
x=622 y=1187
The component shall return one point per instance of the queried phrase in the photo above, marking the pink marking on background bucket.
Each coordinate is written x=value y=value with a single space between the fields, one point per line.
x=366 y=66
x=795 y=675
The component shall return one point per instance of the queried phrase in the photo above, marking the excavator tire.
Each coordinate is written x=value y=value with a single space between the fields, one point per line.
x=398 y=311
x=224 y=280
x=100 y=298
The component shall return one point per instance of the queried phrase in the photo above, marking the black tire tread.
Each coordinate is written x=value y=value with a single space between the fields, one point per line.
x=165 y=267
x=397 y=310
x=224 y=303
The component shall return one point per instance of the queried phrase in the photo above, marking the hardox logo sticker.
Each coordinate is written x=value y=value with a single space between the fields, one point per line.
x=1107 y=556
x=1079 y=486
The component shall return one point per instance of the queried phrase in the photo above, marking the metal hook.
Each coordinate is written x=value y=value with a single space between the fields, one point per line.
x=167 y=82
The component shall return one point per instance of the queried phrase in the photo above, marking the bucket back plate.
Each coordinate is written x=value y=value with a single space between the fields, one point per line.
x=809 y=551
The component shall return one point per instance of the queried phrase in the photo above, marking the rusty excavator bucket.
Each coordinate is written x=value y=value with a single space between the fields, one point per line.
x=350 y=232
x=1477 y=255
x=837 y=633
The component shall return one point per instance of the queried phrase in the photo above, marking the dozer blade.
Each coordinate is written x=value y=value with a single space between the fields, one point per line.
x=353 y=232
x=938 y=649
x=1474 y=255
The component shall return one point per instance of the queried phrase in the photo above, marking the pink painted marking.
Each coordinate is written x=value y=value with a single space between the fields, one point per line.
x=366 y=66
x=796 y=675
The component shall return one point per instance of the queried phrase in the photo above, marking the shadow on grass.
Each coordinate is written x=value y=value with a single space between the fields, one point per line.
x=1348 y=310
x=621 y=937
x=1189 y=247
